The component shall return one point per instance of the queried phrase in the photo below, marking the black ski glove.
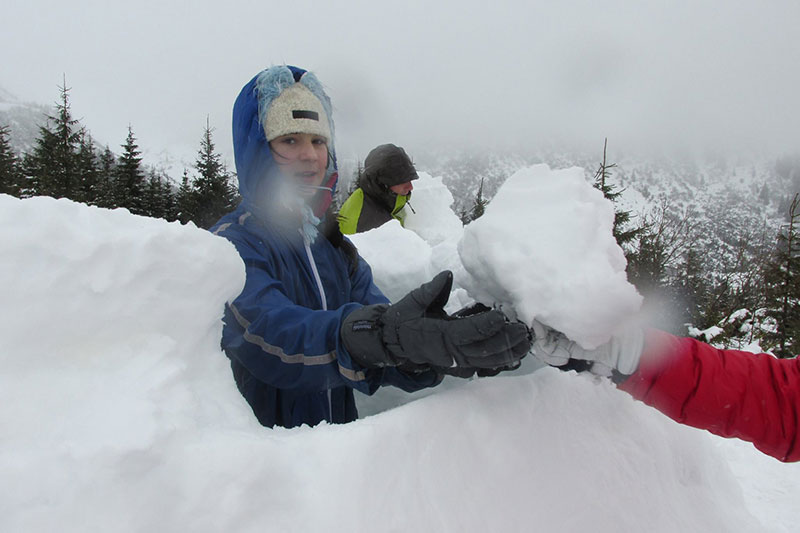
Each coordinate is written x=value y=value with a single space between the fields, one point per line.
x=466 y=372
x=416 y=329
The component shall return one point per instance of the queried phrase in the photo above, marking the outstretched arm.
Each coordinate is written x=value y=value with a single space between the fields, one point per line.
x=753 y=397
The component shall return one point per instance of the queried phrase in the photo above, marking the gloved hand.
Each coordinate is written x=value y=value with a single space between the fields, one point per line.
x=417 y=330
x=618 y=358
x=466 y=372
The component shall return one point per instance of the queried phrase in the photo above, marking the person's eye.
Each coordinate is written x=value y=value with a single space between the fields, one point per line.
x=288 y=140
x=319 y=140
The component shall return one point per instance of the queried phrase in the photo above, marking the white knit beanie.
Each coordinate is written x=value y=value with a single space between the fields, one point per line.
x=296 y=110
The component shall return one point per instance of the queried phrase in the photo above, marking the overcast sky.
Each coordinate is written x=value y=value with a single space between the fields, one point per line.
x=422 y=73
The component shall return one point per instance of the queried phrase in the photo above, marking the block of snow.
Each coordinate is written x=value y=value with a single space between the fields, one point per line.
x=544 y=248
x=400 y=259
x=430 y=214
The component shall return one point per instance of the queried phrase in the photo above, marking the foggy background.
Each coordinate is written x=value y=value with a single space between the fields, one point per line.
x=700 y=75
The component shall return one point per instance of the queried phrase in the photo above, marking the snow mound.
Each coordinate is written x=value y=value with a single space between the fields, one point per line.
x=430 y=214
x=119 y=413
x=110 y=318
x=400 y=259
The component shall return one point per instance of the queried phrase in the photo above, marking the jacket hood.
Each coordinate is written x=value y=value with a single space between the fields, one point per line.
x=389 y=165
x=260 y=182
x=386 y=165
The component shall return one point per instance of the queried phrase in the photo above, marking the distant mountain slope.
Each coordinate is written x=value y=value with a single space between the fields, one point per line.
x=24 y=119
x=727 y=200
x=731 y=205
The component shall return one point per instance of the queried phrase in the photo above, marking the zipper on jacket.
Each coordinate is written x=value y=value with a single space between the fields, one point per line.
x=316 y=274
x=324 y=305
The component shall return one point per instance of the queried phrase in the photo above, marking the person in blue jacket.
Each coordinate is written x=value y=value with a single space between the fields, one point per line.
x=310 y=326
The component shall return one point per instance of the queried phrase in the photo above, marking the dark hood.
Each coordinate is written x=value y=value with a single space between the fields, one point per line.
x=386 y=165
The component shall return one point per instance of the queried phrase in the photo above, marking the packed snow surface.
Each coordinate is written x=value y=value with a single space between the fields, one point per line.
x=119 y=413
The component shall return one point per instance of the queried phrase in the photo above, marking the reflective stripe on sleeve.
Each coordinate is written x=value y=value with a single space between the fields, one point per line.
x=307 y=360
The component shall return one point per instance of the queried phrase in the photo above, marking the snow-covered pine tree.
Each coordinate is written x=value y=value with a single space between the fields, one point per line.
x=479 y=207
x=129 y=177
x=169 y=205
x=106 y=181
x=161 y=198
x=214 y=194
x=623 y=233
x=464 y=217
x=692 y=289
x=87 y=186
x=184 y=200
x=10 y=173
x=151 y=200
x=652 y=266
x=53 y=165
x=782 y=277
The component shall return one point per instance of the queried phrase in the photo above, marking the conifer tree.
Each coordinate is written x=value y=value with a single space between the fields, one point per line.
x=764 y=194
x=464 y=216
x=663 y=242
x=355 y=183
x=184 y=200
x=782 y=277
x=129 y=177
x=35 y=168
x=647 y=267
x=106 y=184
x=10 y=173
x=158 y=199
x=479 y=206
x=53 y=164
x=693 y=290
x=719 y=301
x=622 y=218
x=87 y=185
x=169 y=206
x=151 y=200
x=213 y=193
x=66 y=175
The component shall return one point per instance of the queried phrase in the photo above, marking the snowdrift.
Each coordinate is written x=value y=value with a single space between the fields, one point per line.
x=119 y=413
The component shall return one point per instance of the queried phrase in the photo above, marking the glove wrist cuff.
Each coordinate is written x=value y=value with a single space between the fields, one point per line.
x=362 y=335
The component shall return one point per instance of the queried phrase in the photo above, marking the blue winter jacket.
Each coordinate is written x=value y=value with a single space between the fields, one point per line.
x=282 y=332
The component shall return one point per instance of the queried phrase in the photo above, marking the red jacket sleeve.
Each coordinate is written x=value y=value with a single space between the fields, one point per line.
x=754 y=397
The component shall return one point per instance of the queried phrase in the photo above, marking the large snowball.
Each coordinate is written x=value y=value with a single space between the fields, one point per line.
x=544 y=247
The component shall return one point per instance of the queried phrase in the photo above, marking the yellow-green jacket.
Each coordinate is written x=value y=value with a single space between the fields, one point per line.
x=363 y=212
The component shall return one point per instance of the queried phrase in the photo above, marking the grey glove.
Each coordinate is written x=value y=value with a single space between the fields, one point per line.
x=618 y=358
x=417 y=330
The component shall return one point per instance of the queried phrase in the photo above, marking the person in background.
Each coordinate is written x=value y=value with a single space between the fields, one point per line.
x=310 y=326
x=753 y=397
x=384 y=189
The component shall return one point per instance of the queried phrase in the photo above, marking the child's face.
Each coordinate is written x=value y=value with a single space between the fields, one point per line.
x=302 y=157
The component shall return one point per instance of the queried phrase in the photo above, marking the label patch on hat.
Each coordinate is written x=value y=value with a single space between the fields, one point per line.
x=298 y=113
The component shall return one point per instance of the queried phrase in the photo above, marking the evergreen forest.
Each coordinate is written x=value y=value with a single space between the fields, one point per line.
x=752 y=298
